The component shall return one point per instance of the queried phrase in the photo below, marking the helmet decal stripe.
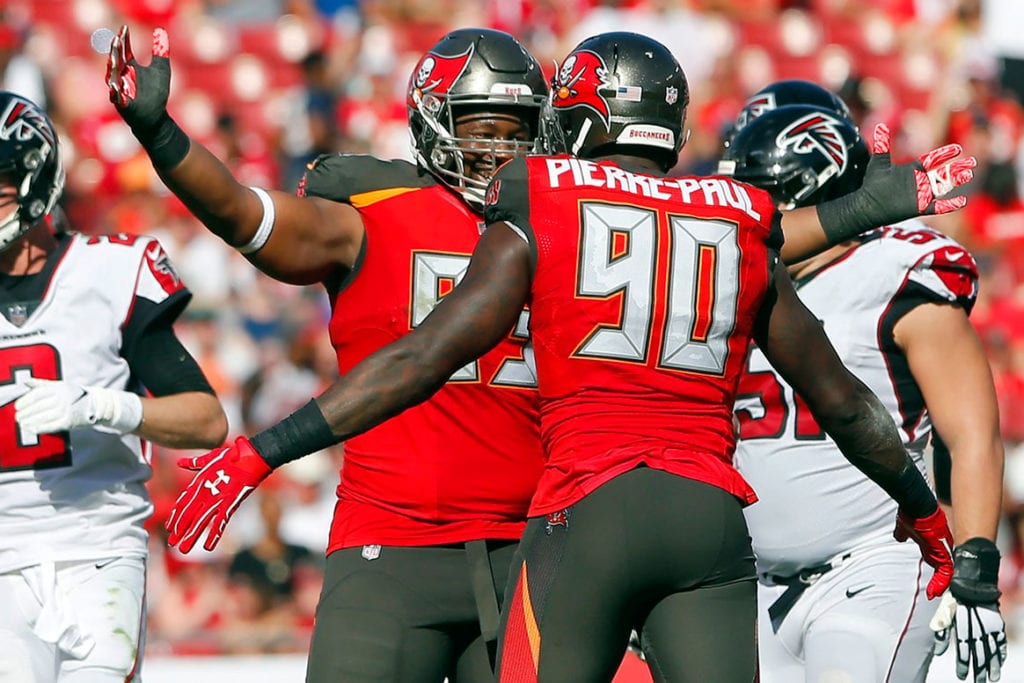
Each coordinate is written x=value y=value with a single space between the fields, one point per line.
x=579 y=82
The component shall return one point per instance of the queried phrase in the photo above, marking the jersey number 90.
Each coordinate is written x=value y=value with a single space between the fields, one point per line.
x=619 y=257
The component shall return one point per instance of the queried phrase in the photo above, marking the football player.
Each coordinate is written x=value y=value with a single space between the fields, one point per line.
x=92 y=371
x=644 y=293
x=430 y=504
x=837 y=595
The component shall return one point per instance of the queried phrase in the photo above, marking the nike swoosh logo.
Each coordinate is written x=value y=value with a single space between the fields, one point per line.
x=850 y=592
x=104 y=563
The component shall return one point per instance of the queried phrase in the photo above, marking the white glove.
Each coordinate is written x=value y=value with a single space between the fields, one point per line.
x=980 y=637
x=49 y=407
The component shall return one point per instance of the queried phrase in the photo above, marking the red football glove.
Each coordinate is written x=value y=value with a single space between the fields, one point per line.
x=933 y=536
x=935 y=173
x=225 y=477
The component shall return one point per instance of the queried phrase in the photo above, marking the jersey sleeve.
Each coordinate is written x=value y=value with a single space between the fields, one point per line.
x=159 y=292
x=347 y=177
x=945 y=274
x=508 y=200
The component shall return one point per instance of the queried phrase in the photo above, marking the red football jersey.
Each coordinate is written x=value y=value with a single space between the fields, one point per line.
x=463 y=465
x=644 y=296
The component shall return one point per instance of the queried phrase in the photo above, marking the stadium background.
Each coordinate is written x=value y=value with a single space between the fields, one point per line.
x=269 y=84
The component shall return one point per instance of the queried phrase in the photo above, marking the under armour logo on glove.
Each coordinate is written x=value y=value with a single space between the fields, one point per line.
x=221 y=479
x=225 y=477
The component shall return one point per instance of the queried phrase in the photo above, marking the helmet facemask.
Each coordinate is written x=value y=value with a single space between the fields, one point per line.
x=472 y=71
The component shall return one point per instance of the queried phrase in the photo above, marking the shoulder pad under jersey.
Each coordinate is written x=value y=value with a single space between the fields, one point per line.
x=341 y=177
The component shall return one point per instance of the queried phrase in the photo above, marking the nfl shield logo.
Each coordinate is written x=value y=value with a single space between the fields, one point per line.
x=671 y=94
x=371 y=552
x=17 y=313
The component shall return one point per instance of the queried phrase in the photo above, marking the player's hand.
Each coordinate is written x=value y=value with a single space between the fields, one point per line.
x=225 y=477
x=932 y=535
x=139 y=92
x=891 y=193
x=936 y=173
x=53 y=406
x=969 y=612
x=980 y=637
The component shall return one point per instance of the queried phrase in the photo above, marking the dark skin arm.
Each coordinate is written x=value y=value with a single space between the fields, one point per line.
x=795 y=344
x=313 y=238
x=470 y=321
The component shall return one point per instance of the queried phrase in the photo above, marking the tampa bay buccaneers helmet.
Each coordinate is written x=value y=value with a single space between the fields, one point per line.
x=471 y=69
x=30 y=161
x=782 y=93
x=802 y=155
x=618 y=93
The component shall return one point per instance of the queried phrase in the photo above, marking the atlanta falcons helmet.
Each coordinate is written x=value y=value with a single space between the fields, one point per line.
x=471 y=69
x=617 y=93
x=800 y=154
x=782 y=93
x=30 y=161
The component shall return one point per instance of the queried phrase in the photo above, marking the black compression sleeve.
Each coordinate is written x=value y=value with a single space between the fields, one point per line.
x=942 y=465
x=163 y=365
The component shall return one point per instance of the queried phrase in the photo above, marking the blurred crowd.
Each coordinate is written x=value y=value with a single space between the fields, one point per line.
x=270 y=84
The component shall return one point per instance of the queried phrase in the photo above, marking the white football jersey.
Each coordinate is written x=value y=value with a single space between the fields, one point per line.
x=813 y=504
x=78 y=494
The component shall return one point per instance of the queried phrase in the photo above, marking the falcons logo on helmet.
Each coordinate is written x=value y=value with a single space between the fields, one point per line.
x=816 y=133
x=579 y=83
x=434 y=77
x=23 y=121
x=755 y=106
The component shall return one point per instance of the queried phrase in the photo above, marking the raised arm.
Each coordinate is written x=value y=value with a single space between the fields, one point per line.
x=471 y=320
x=889 y=194
x=301 y=240
x=795 y=344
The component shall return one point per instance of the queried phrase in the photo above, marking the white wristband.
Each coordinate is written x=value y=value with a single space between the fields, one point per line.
x=119 y=410
x=266 y=225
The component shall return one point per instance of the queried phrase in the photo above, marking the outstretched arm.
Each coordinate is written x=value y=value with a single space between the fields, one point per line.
x=467 y=323
x=889 y=194
x=301 y=240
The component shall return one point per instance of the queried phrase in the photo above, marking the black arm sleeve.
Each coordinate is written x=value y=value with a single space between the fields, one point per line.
x=162 y=364
x=942 y=467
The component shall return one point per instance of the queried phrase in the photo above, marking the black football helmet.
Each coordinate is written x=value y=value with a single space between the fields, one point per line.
x=782 y=93
x=802 y=155
x=617 y=93
x=30 y=161
x=471 y=69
